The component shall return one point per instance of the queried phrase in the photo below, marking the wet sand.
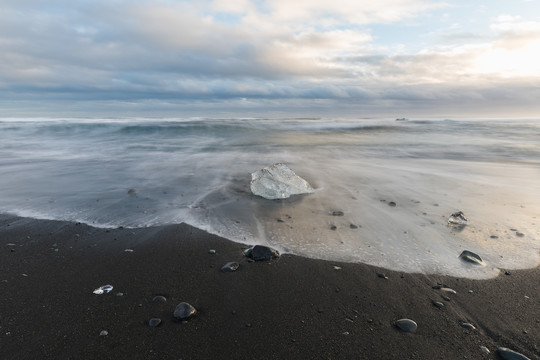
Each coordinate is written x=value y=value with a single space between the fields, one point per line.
x=290 y=308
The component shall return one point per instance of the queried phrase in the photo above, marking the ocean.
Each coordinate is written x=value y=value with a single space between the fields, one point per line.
x=150 y=172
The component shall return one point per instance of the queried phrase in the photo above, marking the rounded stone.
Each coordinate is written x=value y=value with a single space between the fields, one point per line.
x=184 y=311
x=260 y=253
x=103 y=333
x=159 y=298
x=230 y=266
x=438 y=304
x=154 y=322
x=508 y=354
x=406 y=325
x=470 y=257
x=468 y=326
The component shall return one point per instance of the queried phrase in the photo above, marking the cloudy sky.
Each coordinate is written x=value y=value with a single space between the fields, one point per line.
x=359 y=58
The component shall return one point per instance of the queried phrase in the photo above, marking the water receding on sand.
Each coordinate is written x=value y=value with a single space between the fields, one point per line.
x=384 y=190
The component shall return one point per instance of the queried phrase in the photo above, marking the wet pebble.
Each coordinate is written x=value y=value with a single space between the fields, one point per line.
x=508 y=354
x=333 y=227
x=184 y=311
x=154 y=322
x=382 y=276
x=352 y=226
x=338 y=213
x=159 y=298
x=261 y=252
x=468 y=326
x=392 y=204
x=406 y=325
x=437 y=304
x=212 y=251
x=103 y=333
x=230 y=266
x=448 y=290
x=472 y=258
x=484 y=349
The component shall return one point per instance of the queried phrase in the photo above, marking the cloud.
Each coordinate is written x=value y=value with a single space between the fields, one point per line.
x=268 y=52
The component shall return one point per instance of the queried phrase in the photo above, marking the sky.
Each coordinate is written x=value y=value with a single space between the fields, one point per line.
x=263 y=58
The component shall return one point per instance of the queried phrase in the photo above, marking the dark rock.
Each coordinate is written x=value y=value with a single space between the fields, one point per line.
x=383 y=276
x=159 y=298
x=337 y=213
x=230 y=266
x=520 y=234
x=154 y=322
x=494 y=237
x=471 y=257
x=392 y=204
x=406 y=325
x=133 y=191
x=508 y=354
x=261 y=253
x=352 y=226
x=280 y=220
x=184 y=311
x=333 y=227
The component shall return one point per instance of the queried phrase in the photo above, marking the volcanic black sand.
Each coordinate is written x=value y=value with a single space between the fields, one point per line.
x=289 y=308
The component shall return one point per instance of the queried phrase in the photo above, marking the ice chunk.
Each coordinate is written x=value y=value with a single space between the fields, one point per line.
x=103 y=289
x=458 y=218
x=278 y=182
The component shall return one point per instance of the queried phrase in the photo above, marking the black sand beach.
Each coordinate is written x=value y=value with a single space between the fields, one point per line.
x=289 y=308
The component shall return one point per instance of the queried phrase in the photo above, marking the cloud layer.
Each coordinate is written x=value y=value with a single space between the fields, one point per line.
x=165 y=57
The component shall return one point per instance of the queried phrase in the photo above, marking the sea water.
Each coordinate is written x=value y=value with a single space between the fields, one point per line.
x=396 y=183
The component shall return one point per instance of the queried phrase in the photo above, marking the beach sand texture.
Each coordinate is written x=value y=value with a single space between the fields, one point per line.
x=291 y=307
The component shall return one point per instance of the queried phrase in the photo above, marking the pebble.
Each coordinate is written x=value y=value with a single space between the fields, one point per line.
x=212 y=251
x=154 y=322
x=103 y=333
x=352 y=226
x=438 y=304
x=484 y=349
x=159 y=298
x=119 y=294
x=448 y=290
x=337 y=267
x=406 y=325
x=230 y=266
x=471 y=257
x=520 y=234
x=468 y=326
x=392 y=204
x=333 y=227
x=128 y=250
x=337 y=213
x=508 y=354
x=261 y=252
x=184 y=311
x=383 y=276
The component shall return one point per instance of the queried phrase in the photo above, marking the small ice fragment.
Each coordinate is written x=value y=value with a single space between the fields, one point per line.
x=457 y=218
x=278 y=182
x=103 y=289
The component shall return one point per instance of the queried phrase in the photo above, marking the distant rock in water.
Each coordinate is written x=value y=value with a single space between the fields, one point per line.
x=457 y=218
x=471 y=257
x=278 y=182
x=508 y=354
x=261 y=253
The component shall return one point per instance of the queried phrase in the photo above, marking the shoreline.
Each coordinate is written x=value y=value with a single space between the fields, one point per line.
x=292 y=307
